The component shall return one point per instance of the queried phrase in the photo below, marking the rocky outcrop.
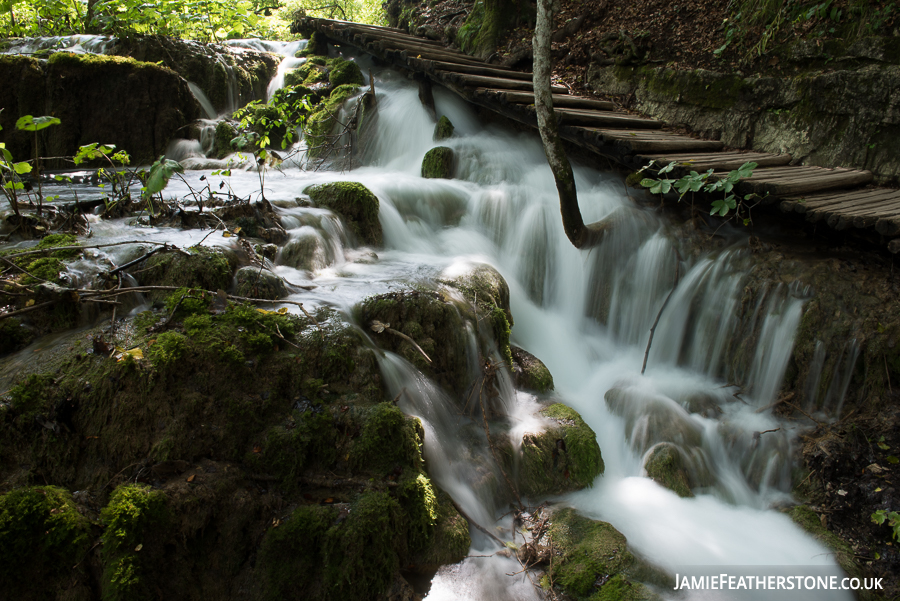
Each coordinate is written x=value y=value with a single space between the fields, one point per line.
x=137 y=106
x=438 y=163
x=844 y=114
x=229 y=77
x=355 y=203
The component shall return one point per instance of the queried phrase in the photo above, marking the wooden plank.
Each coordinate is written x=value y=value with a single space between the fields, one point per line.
x=434 y=65
x=480 y=81
x=605 y=118
x=720 y=161
x=559 y=100
x=852 y=202
x=834 y=180
x=888 y=226
x=802 y=205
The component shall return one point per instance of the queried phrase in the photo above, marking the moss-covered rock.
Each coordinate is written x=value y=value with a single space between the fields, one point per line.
x=305 y=250
x=14 y=335
x=225 y=133
x=254 y=282
x=320 y=124
x=42 y=536
x=562 y=458
x=451 y=540
x=443 y=129
x=593 y=561
x=664 y=465
x=435 y=324
x=529 y=372
x=307 y=74
x=389 y=441
x=200 y=268
x=484 y=288
x=134 y=514
x=438 y=163
x=355 y=203
x=317 y=45
x=342 y=72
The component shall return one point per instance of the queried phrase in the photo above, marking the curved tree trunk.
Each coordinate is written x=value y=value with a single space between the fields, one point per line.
x=579 y=234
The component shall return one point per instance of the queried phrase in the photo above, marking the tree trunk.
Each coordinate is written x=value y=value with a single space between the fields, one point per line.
x=579 y=234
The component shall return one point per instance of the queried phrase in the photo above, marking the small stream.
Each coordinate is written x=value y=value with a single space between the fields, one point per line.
x=585 y=314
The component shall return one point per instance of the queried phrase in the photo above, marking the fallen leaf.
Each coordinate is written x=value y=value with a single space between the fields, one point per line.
x=236 y=230
x=227 y=234
x=191 y=477
x=30 y=302
x=139 y=547
x=257 y=450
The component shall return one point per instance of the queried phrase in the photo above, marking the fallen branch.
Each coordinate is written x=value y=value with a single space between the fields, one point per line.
x=477 y=525
x=379 y=327
x=661 y=309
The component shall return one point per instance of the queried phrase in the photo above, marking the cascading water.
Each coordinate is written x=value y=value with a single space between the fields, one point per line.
x=586 y=314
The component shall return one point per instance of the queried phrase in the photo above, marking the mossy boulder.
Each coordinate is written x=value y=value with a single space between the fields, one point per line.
x=305 y=250
x=202 y=268
x=592 y=561
x=42 y=536
x=443 y=129
x=484 y=288
x=342 y=72
x=529 y=372
x=664 y=465
x=320 y=124
x=254 y=282
x=438 y=163
x=355 y=203
x=317 y=45
x=388 y=441
x=225 y=133
x=451 y=540
x=307 y=74
x=433 y=322
x=564 y=457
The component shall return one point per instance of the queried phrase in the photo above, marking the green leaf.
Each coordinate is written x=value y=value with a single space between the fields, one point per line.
x=22 y=168
x=883 y=446
x=667 y=168
x=160 y=173
x=719 y=207
x=648 y=183
x=746 y=170
x=29 y=123
x=892 y=459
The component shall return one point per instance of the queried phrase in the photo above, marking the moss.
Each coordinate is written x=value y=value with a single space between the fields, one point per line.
x=592 y=560
x=443 y=129
x=32 y=395
x=46 y=266
x=563 y=458
x=14 y=335
x=320 y=123
x=42 y=535
x=99 y=62
x=203 y=268
x=363 y=552
x=355 y=203
x=664 y=466
x=530 y=372
x=169 y=348
x=307 y=437
x=450 y=541
x=501 y=329
x=254 y=282
x=389 y=440
x=134 y=513
x=701 y=88
x=225 y=133
x=438 y=163
x=290 y=556
x=317 y=44
x=342 y=72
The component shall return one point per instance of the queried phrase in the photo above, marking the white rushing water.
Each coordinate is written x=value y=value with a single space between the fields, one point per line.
x=586 y=314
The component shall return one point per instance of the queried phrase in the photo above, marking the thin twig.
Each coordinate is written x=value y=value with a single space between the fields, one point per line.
x=661 y=309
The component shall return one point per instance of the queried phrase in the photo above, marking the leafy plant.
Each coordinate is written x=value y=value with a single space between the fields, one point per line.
x=11 y=172
x=891 y=517
x=695 y=182
x=119 y=180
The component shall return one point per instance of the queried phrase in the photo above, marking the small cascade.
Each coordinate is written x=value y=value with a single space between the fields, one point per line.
x=203 y=100
x=79 y=44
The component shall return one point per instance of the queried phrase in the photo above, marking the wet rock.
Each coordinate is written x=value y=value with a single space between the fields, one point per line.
x=217 y=69
x=254 y=282
x=311 y=72
x=305 y=250
x=438 y=163
x=321 y=123
x=355 y=203
x=592 y=560
x=87 y=93
x=225 y=133
x=565 y=457
x=443 y=129
x=651 y=418
x=317 y=45
x=256 y=220
x=342 y=72
x=201 y=268
x=529 y=372
x=451 y=540
x=435 y=324
x=664 y=466
x=487 y=292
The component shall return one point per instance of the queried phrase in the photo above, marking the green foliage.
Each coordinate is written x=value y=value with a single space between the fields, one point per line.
x=168 y=349
x=704 y=182
x=11 y=172
x=42 y=535
x=320 y=123
x=891 y=517
x=132 y=515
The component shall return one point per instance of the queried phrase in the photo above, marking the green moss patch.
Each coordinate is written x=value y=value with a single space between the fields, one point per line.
x=564 y=457
x=443 y=129
x=355 y=203
x=202 y=268
x=529 y=372
x=438 y=163
x=320 y=124
x=389 y=441
x=343 y=72
x=42 y=536
x=664 y=466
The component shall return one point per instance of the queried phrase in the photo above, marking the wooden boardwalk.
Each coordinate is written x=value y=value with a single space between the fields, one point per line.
x=836 y=197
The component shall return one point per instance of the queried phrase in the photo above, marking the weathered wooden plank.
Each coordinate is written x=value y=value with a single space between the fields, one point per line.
x=820 y=201
x=434 y=65
x=718 y=161
x=559 y=100
x=605 y=118
x=824 y=180
x=481 y=81
x=852 y=202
